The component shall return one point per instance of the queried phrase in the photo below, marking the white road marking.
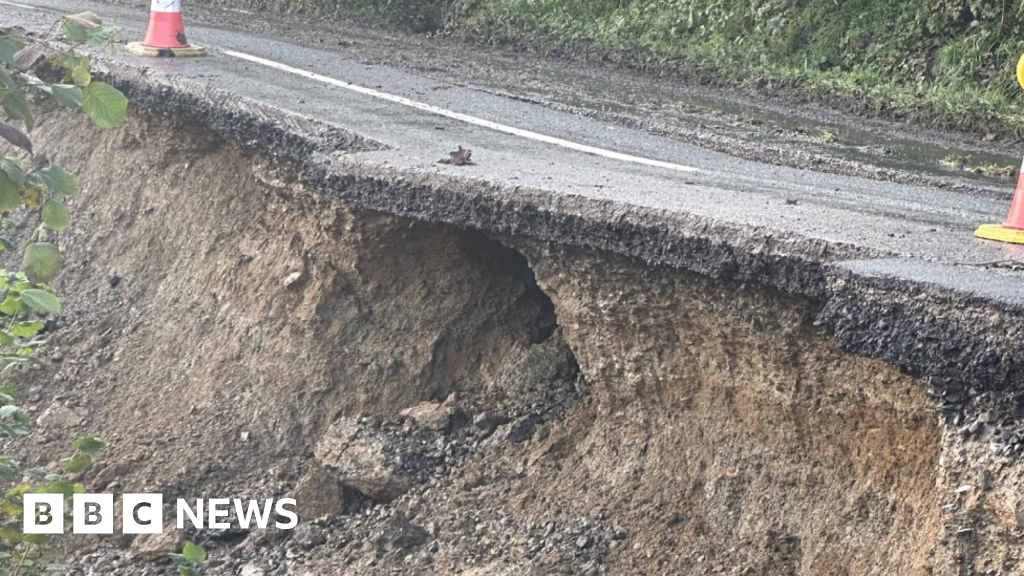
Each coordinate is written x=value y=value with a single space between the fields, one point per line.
x=21 y=6
x=530 y=135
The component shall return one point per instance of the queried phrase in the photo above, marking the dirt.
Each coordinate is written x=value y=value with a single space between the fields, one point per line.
x=442 y=402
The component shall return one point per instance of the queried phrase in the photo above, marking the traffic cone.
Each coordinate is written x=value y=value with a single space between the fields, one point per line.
x=166 y=34
x=1013 y=229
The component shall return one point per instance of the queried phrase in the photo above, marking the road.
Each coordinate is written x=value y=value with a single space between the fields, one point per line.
x=516 y=143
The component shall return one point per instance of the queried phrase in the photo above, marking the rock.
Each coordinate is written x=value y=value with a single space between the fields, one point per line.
x=401 y=535
x=156 y=547
x=358 y=457
x=319 y=493
x=985 y=479
x=252 y=569
x=488 y=422
x=294 y=279
x=58 y=415
x=523 y=430
x=474 y=480
x=429 y=415
x=307 y=536
x=583 y=542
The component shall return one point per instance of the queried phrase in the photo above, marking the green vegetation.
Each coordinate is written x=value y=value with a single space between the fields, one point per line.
x=191 y=560
x=947 y=63
x=35 y=76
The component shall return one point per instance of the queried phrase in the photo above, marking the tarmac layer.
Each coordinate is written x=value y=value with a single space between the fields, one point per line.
x=897 y=269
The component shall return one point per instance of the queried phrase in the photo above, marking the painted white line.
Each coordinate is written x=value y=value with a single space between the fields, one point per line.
x=21 y=6
x=530 y=135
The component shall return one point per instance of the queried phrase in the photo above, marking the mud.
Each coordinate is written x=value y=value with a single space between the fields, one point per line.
x=233 y=331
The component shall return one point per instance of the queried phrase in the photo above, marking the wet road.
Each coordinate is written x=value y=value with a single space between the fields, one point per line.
x=420 y=118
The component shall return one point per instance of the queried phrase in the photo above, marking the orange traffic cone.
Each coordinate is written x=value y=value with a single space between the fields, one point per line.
x=1013 y=229
x=166 y=33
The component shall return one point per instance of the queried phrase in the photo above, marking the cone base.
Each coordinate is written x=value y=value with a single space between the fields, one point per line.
x=1000 y=233
x=140 y=49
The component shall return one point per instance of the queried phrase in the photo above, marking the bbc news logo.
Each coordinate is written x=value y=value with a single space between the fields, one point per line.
x=143 y=513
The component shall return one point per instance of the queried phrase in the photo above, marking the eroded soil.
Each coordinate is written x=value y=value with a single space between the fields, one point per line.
x=441 y=402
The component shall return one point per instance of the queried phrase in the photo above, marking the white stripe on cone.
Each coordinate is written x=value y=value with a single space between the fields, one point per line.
x=171 y=6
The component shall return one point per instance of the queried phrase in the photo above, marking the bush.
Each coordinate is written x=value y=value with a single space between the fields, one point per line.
x=34 y=70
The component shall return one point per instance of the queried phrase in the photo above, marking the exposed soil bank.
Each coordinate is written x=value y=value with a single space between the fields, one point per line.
x=445 y=402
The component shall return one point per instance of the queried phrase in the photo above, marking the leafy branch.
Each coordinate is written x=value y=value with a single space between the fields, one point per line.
x=40 y=73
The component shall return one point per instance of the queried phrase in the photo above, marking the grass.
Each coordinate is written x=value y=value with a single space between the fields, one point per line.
x=943 y=63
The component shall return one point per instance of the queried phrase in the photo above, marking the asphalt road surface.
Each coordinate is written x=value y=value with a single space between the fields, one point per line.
x=420 y=119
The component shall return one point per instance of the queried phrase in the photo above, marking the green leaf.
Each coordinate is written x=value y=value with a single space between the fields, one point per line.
x=43 y=262
x=55 y=215
x=194 y=553
x=10 y=42
x=89 y=444
x=77 y=26
x=59 y=181
x=17 y=491
x=13 y=305
x=69 y=61
x=38 y=538
x=12 y=167
x=5 y=244
x=11 y=534
x=105 y=104
x=32 y=80
x=34 y=473
x=61 y=486
x=80 y=75
x=10 y=199
x=32 y=196
x=76 y=463
x=100 y=37
x=13 y=413
x=67 y=95
x=6 y=81
x=17 y=107
x=6 y=339
x=186 y=570
x=27 y=329
x=177 y=559
x=41 y=301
